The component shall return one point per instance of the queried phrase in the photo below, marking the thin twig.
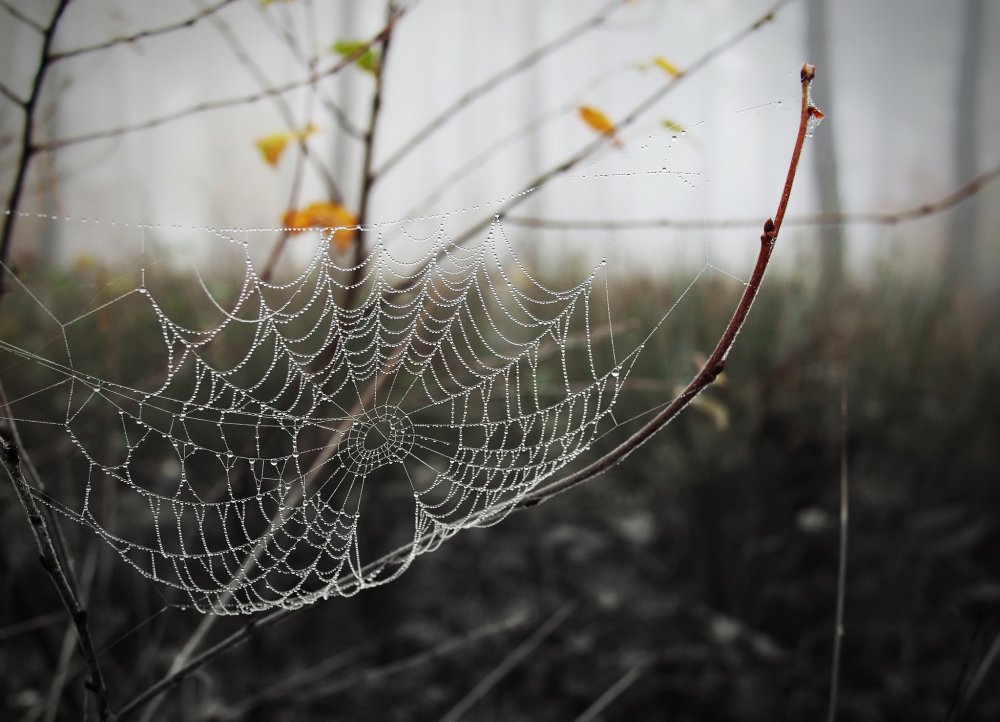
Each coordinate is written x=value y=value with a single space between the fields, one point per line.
x=956 y=696
x=490 y=83
x=53 y=706
x=11 y=96
x=43 y=620
x=18 y=15
x=610 y=695
x=518 y=655
x=303 y=680
x=992 y=654
x=716 y=362
x=368 y=676
x=971 y=188
x=290 y=41
x=247 y=61
x=152 y=32
x=368 y=174
x=219 y=648
x=26 y=150
x=121 y=130
x=838 y=632
x=638 y=111
x=11 y=459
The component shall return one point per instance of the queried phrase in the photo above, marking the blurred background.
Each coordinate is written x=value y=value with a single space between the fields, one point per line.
x=695 y=581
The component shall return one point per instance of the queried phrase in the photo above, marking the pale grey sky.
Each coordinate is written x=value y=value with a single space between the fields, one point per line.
x=892 y=82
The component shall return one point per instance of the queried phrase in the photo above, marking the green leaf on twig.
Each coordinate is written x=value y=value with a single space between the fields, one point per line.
x=367 y=61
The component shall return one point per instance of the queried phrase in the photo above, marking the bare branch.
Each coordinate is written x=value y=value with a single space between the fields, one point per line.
x=527 y=129
x=637 y=112
x=26 y=150
x=367 y=676
x=18 y=15
x=11 y=459
x=343 y=121
x=153 y=32
x=518 y=655
x=221 y=647
x=368 y=174
x=884 y=219
x=11 y=96
x=616 y=690
x=987 y=663
x=489 y=84
x=310 y=79
x=246 y=59
x=716 y=361
x=838 y=631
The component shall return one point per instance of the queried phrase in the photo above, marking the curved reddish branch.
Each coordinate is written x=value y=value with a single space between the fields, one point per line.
x=716 y=362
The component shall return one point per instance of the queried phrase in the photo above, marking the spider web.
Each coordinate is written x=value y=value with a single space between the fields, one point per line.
x=291 y=448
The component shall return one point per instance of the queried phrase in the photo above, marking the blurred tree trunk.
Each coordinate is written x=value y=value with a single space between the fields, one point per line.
x=348 y=96
x=831 y=250
x=534 y=98
x=960 y=245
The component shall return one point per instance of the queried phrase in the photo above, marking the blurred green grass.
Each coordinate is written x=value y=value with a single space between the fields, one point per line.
x=707 y=560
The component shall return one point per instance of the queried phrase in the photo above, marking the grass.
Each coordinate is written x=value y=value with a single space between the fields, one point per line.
x=706 y=561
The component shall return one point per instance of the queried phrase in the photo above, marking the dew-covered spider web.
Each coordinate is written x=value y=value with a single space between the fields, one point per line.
x=257 y=437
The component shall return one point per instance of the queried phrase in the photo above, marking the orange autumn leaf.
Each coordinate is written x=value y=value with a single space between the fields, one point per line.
x=600 y=122
x=667 y=67
x=324 y=215
x=272 y=146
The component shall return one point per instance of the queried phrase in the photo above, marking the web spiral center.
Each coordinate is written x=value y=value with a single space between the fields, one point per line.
x=379 y=437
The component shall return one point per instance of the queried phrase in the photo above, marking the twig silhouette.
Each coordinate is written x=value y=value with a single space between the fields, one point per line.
x=27 y=149
x=610 y=695
x=344 y=62
x=18 y=15
x=838 y=631
x=517 y=655
x=254 y=69
x=716 y=361
x=11 y=459
x=913 y=213
x=489 y=84
x=152 y=32
x=368 y=174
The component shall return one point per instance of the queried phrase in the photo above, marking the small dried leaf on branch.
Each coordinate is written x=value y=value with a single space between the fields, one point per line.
x=272 y=146
x=599 y=122
x=324 y=214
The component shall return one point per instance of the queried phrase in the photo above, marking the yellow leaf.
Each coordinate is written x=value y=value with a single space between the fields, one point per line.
x=672 y=126
x=713 y=409
x=326 y=215
x=600 y=122
x=667 y=67
x=698 y=360
x=273 y=145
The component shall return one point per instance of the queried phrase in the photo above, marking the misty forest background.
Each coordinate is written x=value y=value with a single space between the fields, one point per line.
x=698 y=579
